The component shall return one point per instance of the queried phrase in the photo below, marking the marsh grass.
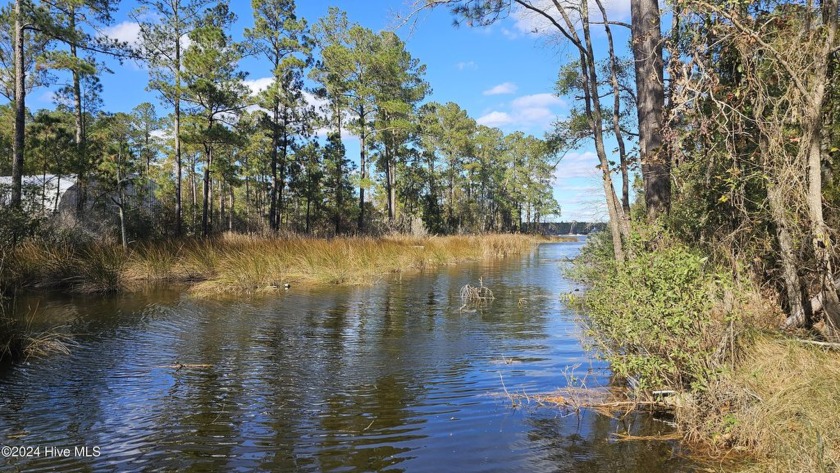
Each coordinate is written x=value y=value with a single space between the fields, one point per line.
x=242 y=263
x=20 y=340
x=238 y=263
x=780 y=405
x=85 y=268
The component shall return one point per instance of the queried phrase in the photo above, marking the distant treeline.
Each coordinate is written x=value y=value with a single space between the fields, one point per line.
x=570 y=228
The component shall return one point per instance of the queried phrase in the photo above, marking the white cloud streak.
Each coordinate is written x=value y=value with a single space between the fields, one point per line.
x=502 y=89
x=527 y=112
x=495 y=119
x=466 y=65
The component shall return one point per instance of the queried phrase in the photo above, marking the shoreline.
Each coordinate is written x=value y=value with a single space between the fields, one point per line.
x=686 y=337
x=242 y=264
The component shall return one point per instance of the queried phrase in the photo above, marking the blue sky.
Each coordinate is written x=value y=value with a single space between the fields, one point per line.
x=503 y=75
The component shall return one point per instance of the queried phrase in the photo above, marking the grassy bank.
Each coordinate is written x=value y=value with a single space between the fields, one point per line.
x=238 y=263
x=702 y=342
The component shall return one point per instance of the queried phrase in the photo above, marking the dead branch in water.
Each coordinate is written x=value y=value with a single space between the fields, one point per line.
x=476 y=295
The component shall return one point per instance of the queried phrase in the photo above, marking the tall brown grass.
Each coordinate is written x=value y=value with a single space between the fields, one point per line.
x=81 y=268
x=781 y=406
x=242 y=263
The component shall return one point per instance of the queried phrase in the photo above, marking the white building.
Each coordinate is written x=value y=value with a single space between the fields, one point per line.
x=41 y=192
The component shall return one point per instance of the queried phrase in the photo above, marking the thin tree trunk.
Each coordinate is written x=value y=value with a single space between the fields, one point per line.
x=205 y=211
x=618 y=226
x=178 y=173
x=790 y=274
x=363 y=171
x=338 y=197
x=283 y=162
x=275 y=143
x=392 y=188
x=622 y=153
x=121 y=205
x=81 y=148
x=58 y=191
x=20 y=109
x=388 y=189
x=247 y=204
x=222 y=199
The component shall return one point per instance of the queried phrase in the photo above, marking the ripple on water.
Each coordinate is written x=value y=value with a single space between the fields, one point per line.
x=388 y=377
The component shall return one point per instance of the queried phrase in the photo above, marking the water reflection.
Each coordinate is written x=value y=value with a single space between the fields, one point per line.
x=391 y=377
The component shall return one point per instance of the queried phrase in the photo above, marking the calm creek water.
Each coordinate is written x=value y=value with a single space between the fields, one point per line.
x=391 y=377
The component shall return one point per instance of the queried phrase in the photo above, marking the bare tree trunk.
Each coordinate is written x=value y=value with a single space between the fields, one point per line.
x=231 y=204
x=222 y=207
x=247 y=204
x=363 y=172
x=622 y=153
x=813 y=118
x=650 y=100
x=205 y=211
x=793 y=285
x=618 y=226
x=338 y=198
x=392 y=188
x=275 y=143
x=20 y=109
x=80 y=136
x=388 y=188
x=58 y=191
x=121 y=204
x=281 y=206
x=178 y=171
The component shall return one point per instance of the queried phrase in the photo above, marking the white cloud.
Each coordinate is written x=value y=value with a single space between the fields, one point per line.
x=466 y=65
x=161 y=134
x=127 y=32
x=314 y=101
x=536 y=115
x=186 y=42
x=510 y=34
x=538 y=101
x=47 y=97
x=576 y=164
x=528 y=113
x=528 y=21
x=502 y=89
x=495 y=119
x=258 y=85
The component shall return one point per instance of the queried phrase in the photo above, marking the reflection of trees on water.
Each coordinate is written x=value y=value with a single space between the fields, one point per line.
x=359 y=379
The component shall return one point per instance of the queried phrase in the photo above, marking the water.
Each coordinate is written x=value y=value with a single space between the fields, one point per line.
x=391 y=377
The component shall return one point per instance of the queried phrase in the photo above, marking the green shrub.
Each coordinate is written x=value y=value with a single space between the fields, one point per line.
x=657 y=318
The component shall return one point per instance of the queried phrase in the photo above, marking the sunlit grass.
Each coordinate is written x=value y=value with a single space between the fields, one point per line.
x=242 y=263
x=237 y=263
x=788 y=414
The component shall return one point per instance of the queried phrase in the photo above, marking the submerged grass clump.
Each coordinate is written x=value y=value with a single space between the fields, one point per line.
x=479 y=295
x=19 y=340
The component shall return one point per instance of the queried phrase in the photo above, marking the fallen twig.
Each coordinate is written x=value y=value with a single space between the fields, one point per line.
x=834 y=346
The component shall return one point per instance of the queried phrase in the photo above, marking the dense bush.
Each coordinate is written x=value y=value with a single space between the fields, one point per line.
x=660 y=318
